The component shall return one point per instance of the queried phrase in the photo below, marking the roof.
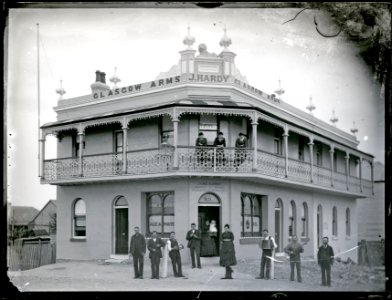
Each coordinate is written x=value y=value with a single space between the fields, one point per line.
x=43 y=208
x=23 y=215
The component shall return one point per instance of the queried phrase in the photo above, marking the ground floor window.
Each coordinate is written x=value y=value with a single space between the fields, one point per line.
x=250 y=215
x=79 y=219
x=160 y=213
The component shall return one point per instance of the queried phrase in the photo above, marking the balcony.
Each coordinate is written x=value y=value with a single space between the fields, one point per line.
x=201 y=160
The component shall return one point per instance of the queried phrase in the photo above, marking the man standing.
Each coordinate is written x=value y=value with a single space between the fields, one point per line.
x=174 y=254
x=137 y=249
x=294 y=249
x=193 y=238
x=325 y=257
x=267 y=244
x=240 y=152
x=154 y=246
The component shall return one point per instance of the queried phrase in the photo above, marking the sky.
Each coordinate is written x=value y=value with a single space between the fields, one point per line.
x=143 y=42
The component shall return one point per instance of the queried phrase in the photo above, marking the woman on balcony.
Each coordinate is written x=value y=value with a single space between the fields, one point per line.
x=240 y=152
x=220 y=143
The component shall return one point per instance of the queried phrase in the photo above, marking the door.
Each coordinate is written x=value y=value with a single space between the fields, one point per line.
x=209 y=243
x=121 y=231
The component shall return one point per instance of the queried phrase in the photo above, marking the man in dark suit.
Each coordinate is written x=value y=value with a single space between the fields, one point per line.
x=193 y=237
x=325 y=257
x=154 y=246
x=137 y=249
x=174 y=253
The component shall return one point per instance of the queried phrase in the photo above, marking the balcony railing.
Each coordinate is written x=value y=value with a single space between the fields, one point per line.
x=200 y=160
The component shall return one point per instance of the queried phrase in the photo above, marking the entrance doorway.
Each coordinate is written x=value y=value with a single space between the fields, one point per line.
x=121 y=226
x=209 y=224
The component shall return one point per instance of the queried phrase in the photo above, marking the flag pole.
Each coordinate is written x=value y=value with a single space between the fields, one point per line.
x=39 y=104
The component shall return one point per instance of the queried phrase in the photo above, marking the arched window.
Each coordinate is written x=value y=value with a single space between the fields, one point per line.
x=305 y=219
x=251 y=214
x=121 y=201
x=160 y=212
x=79 y=219
x=348 y=223
x=334 y=221
x=293 y=219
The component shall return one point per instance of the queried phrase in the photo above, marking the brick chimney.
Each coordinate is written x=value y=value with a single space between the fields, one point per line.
x=100 y=83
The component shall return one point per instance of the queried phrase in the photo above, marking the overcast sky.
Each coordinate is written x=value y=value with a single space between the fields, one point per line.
x=141 y=43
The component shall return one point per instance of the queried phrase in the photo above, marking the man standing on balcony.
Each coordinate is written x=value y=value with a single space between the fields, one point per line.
x=325 y=260
x=240 y=153
x=154 y=246
x=137 y=249
x=193 y=237
x=201 y=142
x=267 y=244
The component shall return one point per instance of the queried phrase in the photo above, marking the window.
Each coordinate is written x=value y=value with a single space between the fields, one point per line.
x=304 y=219
x=277 y=141
x=293 y=219
x=160 y=212
x=208 y=124
x=118 y=141
x=319 y=154
x=348 y=223
x=301 y=148
x=79 y=219
x=251 y=215
x=334 y=221
x=167 y=131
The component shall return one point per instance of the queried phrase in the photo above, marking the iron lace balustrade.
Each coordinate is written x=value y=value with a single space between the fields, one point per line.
x=299 y=170
x=214 y=159
x=321 y=176
x=270 y=164
x=150 y=161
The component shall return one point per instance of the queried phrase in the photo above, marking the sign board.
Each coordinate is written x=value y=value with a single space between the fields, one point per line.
x=155 y=224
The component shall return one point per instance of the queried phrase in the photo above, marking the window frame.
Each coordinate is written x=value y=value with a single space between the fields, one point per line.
x=252 y=198
x=348 y=222
x=163 y=196
x=117 y=133
x=76 y=217
x=334 y=221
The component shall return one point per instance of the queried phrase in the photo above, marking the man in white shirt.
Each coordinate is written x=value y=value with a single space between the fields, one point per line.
x=267 y=244
x=174 y=253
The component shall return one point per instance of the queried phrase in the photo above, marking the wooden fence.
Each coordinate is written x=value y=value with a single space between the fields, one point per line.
x=371 y=253
x=30 y=253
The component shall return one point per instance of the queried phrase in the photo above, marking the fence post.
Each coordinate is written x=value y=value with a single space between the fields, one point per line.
x=39 y=255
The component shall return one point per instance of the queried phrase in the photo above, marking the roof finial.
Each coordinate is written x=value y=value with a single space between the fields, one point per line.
x=189 y=40
x=115 y=78
x=311 y=106
x=354 y=130
x=225 y=40
x=279 y=91
x=333 y=119
x=60 y=90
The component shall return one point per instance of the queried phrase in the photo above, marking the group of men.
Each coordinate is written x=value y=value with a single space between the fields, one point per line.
x=325 y=255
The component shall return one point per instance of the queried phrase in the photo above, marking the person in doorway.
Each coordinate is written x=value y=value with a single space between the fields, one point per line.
x=174 y=253
x=154 y=246
x=227 y=253
x=240 y=152
x=213 y=233
x=325 y=256
x=220 y=143
x=193 y=237
x=294 y=250
x=137 y=250
x=267 y=244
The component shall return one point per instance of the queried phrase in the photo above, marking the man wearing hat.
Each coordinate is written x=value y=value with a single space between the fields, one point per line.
x=220 y=143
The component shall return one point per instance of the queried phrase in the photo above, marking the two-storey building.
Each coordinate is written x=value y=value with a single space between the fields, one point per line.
x=127 y=157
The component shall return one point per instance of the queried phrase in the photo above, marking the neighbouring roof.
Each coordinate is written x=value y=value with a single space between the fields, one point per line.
x=45 y=206
x=23 y=215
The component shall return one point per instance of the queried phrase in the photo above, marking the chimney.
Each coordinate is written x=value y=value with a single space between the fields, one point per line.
x=99 y=87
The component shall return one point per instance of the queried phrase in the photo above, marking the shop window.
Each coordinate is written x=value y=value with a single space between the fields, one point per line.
x=79 y=219
x=160 y=213
x=251 y=215
x=335 y=221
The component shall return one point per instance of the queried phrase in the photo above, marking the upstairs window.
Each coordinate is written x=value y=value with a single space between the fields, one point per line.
x=118 y=141
x=167 y=131
x=301 y=148
x=278 y=141
x=319 y=154
x=208 y=124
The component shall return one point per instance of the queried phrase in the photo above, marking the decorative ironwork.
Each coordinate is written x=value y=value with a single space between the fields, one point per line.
x=340 y=181
x=270 y=164
x=102 y=165
x=150 y=161
x=322 y=176
x=299 y=170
